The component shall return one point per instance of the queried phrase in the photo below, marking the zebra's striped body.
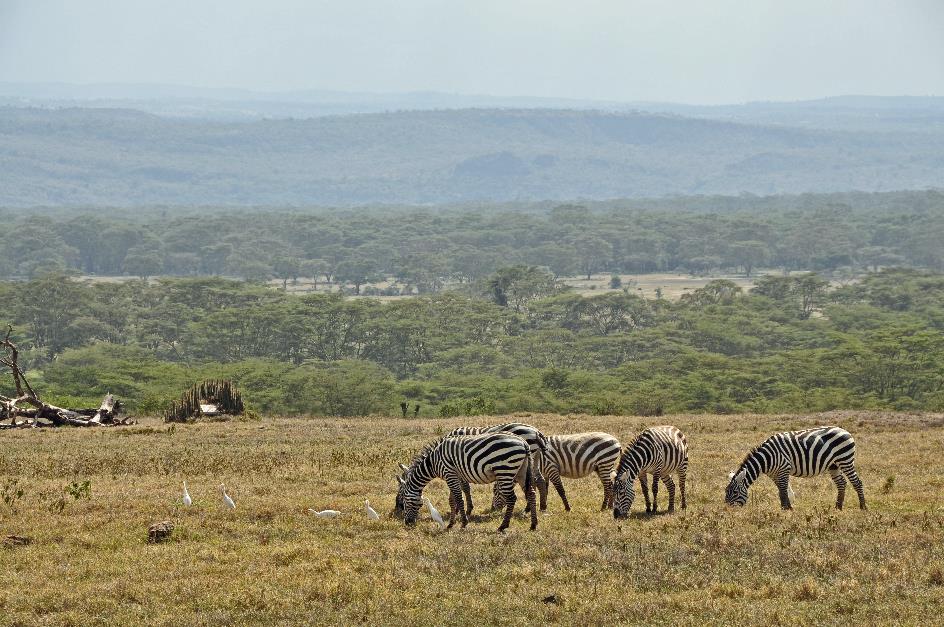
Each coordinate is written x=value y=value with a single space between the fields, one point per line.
x=659 y=451
x=799 y=454
x=537 y=443
x=500 y=458
x=578 y=455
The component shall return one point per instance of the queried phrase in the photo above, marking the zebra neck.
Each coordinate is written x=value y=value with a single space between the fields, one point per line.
x=756 y=464
x=632 y=461
x=420 y=475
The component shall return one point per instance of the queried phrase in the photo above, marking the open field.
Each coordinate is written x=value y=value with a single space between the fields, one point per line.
x=269 y=561
x=673 y=285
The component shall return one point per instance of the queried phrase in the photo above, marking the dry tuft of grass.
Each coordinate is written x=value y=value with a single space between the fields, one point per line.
x=88 y=495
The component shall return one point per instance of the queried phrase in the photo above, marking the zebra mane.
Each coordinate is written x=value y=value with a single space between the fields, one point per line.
x=424 y=453
x=747 y=457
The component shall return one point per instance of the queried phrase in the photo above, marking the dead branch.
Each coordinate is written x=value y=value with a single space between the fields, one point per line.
x=106 y=414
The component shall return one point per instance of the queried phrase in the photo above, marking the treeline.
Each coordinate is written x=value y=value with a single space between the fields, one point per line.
x=422 y=250
x=522 y=344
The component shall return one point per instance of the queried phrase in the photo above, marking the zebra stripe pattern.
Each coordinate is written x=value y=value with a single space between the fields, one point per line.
x=799 y=454
x=578 y=455
x=500 y=458
x=536 y=440
x=659 y=451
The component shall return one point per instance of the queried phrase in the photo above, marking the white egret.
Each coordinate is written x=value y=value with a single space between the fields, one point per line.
x=187 y=500
x=325 y=513
x=373 y=515
x=434 y=513
x=226 y=499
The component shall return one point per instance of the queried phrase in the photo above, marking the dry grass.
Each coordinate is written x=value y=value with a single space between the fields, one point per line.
x=269 y=561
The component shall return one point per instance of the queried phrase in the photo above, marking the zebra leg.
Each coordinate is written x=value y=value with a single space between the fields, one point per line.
x=455 y=500
x=542 y=490
x=467 y=490
x=850 y=471
x=655 y=493
x=453 y=508
x=607 y=488
x=682 y=473
x=782 y=481
x=554 y=477
x=537 y=461
x=644 y=483
x=670 y=485
x=840 y=482
x=529 y=495
x=508 y=493
x=497 y=499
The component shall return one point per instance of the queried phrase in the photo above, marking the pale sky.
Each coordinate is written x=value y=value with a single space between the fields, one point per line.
x=704 y=51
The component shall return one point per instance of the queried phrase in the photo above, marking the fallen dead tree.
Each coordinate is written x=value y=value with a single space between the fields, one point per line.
x=26 y=409
x=214 y=397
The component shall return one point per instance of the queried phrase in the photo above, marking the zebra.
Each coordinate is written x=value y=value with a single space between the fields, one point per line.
x=536 y=440
x=659 y=451
x=577 y=455
x=502 y=458
x=799 y=454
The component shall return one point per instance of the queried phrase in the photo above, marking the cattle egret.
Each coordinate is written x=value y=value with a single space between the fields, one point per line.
x=187 y=500
x=790 y=493
x=326 y=513
x=228 y=501
x=434 y=513
x=370 y=511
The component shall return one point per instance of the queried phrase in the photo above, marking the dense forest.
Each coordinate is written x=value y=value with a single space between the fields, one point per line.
x=422 y=250
x=520 y=342
x=128 y=157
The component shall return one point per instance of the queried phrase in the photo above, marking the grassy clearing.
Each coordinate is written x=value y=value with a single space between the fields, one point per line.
x=270 y=561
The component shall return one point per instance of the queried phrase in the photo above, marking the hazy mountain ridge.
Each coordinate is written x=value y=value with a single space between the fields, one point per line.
x=851 y=112
x=121 y=156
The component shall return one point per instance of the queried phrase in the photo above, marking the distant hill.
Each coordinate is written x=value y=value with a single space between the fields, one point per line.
x=869 y=113
x=127 y=157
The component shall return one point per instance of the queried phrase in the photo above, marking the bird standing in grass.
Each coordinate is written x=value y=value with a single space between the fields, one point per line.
x=434 y=513
x=187 y=500
x=373 y=515
x=226 y=499
x=326 y=513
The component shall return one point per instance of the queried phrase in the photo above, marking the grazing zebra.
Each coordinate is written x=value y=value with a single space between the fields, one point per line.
x=799 y=454
x=660 y=451
x=575 y=456
x=536 y=440
x=500 y=458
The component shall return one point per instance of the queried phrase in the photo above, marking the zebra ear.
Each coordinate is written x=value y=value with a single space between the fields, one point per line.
x=731 y=475
x=399 y=479
x=403 y=467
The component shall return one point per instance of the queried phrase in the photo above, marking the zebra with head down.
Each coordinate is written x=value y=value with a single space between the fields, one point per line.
x=798 y=454
x=500 y=458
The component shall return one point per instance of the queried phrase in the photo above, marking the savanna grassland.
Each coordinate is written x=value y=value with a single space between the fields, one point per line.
x=270 y=561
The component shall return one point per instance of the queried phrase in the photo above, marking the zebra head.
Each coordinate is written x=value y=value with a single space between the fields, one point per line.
x=401 y=489
x=412 y=501
x=736 y=492
x=625 y=494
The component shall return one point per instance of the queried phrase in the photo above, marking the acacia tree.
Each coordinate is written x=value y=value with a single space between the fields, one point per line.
x=517 y=285
x=748 y=254
x=358 y=271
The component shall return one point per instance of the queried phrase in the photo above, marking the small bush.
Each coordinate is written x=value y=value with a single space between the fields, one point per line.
x=889 y=484
x=475 y=406
x=936 y=578
x=807 y=591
